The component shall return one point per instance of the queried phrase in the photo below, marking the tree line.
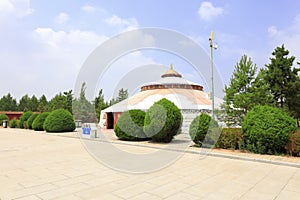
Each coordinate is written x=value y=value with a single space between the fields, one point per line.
x=277 y=84
x=80 y=107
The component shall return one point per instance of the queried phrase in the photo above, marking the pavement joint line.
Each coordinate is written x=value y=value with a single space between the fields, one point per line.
x=212 y=154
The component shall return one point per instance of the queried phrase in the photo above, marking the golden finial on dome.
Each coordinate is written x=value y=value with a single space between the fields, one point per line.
x=171 y=73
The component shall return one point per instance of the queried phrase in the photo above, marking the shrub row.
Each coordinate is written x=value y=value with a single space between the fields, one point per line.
x=38 y=123
x=160 y=123
x=14 y=123
x=265 y=130
x=57 y=121
x=231 y=138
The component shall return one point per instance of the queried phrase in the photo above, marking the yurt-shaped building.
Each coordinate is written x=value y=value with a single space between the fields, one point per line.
x=189 y=97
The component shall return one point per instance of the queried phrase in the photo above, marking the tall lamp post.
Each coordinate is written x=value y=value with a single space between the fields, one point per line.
x=212 y=96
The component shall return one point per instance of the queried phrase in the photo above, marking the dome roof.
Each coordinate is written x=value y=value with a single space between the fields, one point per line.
x=171 y=73
x=171 y=79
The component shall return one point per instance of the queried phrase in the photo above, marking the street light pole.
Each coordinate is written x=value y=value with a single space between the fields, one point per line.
x=212 y=95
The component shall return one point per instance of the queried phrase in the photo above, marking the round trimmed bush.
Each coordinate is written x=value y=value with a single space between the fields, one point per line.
x=130 y=126
x=38 y=122
x=266 y=130
x=31 y=119
x=162 y=121
x=3 y=117
x=14 y=123
x=59 y=120
x=200 y=126
x=24 y=119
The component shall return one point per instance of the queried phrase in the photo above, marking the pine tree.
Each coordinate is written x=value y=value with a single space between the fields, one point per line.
x=34 y=103
x=82 y=108
x=123 y=94
x=280 y=75
x=238 y=95
x=68 y=100
x=8 y=103
x=25 y=103
x=100 y=104
x=43 y=104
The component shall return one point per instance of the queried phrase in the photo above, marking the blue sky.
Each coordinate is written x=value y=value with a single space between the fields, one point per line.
x=45 y=43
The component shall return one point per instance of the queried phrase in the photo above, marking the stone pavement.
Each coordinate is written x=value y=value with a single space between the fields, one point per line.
x=42 y=166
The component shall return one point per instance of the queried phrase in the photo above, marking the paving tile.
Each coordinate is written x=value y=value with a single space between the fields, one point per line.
x=45 y=166
x=290 y=195
x=144 y=196
x=133 y=190
x=31 y=197
x=63 y=191
x=183 y=195
x=31 y=191
x=169 y=189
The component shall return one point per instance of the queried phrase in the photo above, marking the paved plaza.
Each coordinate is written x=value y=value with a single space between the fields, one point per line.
x=35 y=165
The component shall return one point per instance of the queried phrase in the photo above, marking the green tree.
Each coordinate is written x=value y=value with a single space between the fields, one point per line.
x=123 y=94
x=68 y=100
x=100 y=104
x=281 y=76
x=57 y=102
x=43 y=104
x=25 y=103
x=82 y=108
x=293 y=99
x=260 y=90
x=34 y=103
x=8 y=103
x=238 y=95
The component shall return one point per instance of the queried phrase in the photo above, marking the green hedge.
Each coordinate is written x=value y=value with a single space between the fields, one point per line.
x=130 y=126
x=31 y=119
x=293 y=146
x=24 y=118
x=162 y=121
x=266 y=130
x=14 y=123
x=231 y=138
x=38 y=122
x=3 y=117
x=200 y=126
x=59 y=120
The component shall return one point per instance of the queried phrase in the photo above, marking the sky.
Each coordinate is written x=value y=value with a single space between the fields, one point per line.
x=44 y=44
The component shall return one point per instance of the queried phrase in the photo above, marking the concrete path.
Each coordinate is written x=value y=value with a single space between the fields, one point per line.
x=42 y=166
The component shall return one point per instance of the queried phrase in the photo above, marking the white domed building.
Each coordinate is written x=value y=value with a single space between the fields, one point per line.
x=189 y=97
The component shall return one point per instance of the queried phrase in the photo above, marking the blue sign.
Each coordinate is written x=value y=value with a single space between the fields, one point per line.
x=86 y=131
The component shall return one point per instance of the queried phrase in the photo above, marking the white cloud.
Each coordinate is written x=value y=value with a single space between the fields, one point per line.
x=88 y=8
x=14 y=8
x=127 y=24
x=6 y=6
x=54 y=62
x=62 y=18
x=74 y=41
x=272 y=30
x=207 y=11
x=289 y=36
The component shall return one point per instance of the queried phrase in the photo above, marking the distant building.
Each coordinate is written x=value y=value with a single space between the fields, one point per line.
x=189 y=97
x=12 y=114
